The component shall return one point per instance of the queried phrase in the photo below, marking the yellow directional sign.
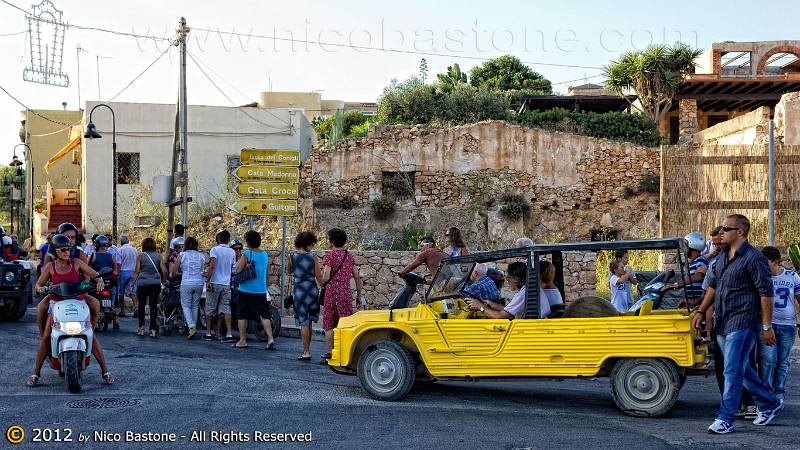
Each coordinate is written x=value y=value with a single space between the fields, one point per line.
x=253 y=189
x=265 y=207
x=270 y=157
x=264 y=173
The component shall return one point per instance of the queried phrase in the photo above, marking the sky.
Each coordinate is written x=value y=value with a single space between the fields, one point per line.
x=566 y=41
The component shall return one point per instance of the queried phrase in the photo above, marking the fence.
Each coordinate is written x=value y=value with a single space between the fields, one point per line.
x=700 y=185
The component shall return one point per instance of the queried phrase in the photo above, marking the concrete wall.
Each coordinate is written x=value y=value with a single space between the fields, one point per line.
x=575 y=184
x=214 y=134
x=749 y=128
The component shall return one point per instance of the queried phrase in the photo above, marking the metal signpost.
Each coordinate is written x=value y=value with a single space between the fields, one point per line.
x=269 y=186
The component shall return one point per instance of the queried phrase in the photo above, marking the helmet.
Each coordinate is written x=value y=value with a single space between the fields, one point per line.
x=94 y=237
x=237 y=243
x=60 y=241
x=101 y=241
x=179 y=241
x=7 y=241
x=696 y=241
x=66 y=226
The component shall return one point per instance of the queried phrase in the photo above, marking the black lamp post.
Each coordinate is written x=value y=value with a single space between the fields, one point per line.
x=19 y=172
x=15 y=163
x=91 y=133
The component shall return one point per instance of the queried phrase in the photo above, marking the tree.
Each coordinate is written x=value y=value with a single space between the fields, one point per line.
x=654 y=74
x=423 y=70
x=509 y=73
x=452 y=78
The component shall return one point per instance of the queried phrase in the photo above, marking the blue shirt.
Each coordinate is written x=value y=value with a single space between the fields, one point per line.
x=257 y=285
x=694 y=290
x=739 y=283
x=483 y=289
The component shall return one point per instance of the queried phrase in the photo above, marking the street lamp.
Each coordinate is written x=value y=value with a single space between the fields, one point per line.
x=15 y=162
x=91 y=133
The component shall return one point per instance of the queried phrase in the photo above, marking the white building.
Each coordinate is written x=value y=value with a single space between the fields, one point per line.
x=144 y=135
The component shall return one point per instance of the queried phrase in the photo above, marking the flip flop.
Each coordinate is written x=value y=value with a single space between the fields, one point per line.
x=32 y=380
x=270 y=347
x=303 y=358
x=108 y=377
x=239 y=346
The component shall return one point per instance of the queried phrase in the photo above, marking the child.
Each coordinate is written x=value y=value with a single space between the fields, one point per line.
x=773 y=365
x=619 y=282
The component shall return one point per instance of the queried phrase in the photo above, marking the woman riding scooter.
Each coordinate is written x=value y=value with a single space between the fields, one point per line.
x=65 y=270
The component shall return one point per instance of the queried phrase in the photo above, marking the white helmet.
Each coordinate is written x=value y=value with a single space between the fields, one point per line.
x=7 y=240
x=696 y=241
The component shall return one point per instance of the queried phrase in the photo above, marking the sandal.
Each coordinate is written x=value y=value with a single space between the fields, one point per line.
x=304 y=358
x=270 y=347
x=236 y=345
x=141 y=331
x=152 y=333
x=108 y=377
x=191 y=334
x=32 y=381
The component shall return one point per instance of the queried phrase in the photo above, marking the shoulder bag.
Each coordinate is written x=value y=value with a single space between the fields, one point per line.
x=248 y=273
x=322 y=289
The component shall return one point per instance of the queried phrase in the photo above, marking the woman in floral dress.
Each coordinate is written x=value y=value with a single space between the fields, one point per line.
x=338 y=267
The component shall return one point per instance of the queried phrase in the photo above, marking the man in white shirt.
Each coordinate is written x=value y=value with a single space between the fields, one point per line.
x=516 y=278
x=126 y=256
x=218 y=286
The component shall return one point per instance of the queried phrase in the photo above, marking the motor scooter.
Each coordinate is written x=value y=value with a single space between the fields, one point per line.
x=106 y=297
x=71 y=333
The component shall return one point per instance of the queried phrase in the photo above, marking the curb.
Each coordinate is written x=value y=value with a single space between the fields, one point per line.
x=293 y=331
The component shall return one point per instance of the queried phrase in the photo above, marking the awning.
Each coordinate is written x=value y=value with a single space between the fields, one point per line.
x=61 y=153
x=721 y=94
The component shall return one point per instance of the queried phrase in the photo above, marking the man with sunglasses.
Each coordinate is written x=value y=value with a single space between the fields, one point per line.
x=740 y=289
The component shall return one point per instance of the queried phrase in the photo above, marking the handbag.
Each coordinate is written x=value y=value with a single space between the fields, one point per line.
x=248 y=273
x=322 y=289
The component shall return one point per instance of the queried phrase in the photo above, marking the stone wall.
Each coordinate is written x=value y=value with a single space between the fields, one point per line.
x=379 y=273
x=576 y=185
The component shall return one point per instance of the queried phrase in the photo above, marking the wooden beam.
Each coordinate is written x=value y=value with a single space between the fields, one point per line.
x=729 y=97
x=734 y=59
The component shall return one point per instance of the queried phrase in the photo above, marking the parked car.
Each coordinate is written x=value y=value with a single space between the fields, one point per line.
x=647 y=353
x=15 y=289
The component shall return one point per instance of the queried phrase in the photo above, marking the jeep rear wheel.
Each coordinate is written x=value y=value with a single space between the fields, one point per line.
x=645 y=387
x=14 y=309
x=386 y=370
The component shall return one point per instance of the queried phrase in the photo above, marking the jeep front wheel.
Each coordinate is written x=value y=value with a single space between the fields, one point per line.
x=386 y=370
x=645 y=387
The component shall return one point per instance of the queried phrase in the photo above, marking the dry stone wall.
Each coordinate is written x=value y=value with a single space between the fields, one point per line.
x=379 y=273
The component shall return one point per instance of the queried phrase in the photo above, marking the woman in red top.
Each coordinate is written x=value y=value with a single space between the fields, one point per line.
x=65 y=270
x=338 y=267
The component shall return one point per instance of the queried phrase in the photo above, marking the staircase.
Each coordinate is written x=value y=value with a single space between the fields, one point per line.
x=64 y=213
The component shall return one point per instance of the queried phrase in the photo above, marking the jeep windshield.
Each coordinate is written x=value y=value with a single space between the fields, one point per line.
x=450 y=279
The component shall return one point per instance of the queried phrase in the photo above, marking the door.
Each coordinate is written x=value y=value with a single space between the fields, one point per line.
x=474 y=337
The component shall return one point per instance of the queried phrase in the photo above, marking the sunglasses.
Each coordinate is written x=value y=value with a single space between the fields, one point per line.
x=729 y=229
x=63 y=249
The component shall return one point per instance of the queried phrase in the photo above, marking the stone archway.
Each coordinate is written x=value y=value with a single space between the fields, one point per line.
x=762 y=64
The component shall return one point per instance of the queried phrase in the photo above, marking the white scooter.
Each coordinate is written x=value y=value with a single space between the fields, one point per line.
x=72 y=334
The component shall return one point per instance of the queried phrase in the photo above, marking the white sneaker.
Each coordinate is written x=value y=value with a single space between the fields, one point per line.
x=750 y=412
x=720 y=427
x=765 y=417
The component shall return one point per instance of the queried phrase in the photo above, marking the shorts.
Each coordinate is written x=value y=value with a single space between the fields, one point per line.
x=218 y=300
x=252 y=306
x=125 y=282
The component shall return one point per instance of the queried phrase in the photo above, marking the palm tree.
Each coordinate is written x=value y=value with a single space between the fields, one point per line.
x=654 y=74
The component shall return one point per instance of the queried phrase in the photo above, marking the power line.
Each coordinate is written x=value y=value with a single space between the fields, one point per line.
x=13 y=34
x=388 y=50
x=141 y=73
x=234 y=103
x=33 y=111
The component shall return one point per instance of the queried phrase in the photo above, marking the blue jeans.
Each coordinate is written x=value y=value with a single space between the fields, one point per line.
x=773 y=367
x=736 y=348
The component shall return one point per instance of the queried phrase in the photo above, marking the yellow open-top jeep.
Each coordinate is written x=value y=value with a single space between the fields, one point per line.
x=647 y=352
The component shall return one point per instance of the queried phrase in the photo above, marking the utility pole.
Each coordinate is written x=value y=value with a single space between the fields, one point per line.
x=183 y=31
x=78 y=51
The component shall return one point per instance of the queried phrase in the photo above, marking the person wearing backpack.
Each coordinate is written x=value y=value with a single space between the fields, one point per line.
x=149 y=274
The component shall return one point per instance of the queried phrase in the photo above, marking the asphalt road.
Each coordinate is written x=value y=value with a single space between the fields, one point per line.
x=171 y=385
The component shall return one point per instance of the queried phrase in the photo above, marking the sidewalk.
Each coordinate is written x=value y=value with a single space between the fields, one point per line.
x=289 y=329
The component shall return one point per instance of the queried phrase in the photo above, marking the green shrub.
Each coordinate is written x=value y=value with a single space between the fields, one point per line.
x=383 y=206
x=650 y=184
x=359 y=131
x=347 y=202
x=620 y=126
x=413 y=102
x=409 y=240
x=355 y=124
x=514 y=207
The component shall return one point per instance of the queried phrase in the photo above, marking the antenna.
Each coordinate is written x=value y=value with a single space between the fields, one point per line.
x=46 y=42
x=79 y=49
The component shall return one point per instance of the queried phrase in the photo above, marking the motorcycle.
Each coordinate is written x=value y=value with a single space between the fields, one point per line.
x=652 y=291
x=405 y=293
x=72 y=334
x=106 y=297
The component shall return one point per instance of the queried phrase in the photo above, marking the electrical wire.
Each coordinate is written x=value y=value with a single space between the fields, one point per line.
x=141 y=73
x=57 y=131
x=388 y=50
x=13 y=34
x=289 y=125
x=33 y=111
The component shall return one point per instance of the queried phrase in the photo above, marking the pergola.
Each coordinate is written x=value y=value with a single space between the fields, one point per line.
x=721 y=94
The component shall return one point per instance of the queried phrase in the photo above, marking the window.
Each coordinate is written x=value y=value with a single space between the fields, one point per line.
x=127 y=168
x=399 y=185
x=234 y=161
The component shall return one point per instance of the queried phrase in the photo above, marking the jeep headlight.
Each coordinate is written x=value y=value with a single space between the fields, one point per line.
x=9 y=276
x=71 y=327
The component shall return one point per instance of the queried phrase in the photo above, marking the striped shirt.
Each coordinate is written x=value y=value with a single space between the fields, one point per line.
x=483 y=289
x=739 y=283
x=694 y=290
